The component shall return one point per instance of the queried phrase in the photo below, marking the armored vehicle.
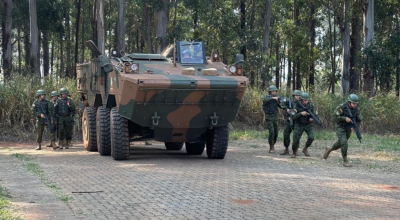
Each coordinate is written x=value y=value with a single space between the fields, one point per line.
x=177 y=97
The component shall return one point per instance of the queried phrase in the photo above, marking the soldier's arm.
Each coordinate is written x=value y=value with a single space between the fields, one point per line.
x=72 y=108
x=297 y=115
x=338 y=114
x=55 y=109
x=50 y=107
x=285 y=105
x=267 y=98
x=34 y=110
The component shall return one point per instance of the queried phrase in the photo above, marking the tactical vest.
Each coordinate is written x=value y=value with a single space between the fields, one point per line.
x=63 y=108
x=271 y=107
x=304 y=119
x=345 y=113
x=42 y=106
x=294 y=103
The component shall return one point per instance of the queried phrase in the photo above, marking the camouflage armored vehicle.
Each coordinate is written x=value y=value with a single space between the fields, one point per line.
x=176 y=97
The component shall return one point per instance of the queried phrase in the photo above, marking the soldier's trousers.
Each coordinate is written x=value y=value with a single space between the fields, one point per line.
x=40 y=129
x=286 y=133
x=65 y=125
x=271 y=121
x=53 y=131
x=343 y=135
x=298 y=132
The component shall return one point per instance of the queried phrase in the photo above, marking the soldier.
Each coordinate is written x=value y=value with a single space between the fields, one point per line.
x=303 y=124
x=270 y=107
x=286 y=113
x=44 y=111
x=343 y=132
x=54 y=97
x=65 y=111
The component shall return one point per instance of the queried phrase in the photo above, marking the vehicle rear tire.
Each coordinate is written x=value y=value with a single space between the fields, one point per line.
x=89 y=129
x=217 y=142
x=195 y=148
x=103 y=131
x=173 y=145
x=119 y=136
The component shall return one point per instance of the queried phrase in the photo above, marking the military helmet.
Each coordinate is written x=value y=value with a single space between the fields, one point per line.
x=353 y=98
x=63 y=91
x=40 y=92
x=305 y=96
x=272 y=88
x=297 y=92
x=54 y=93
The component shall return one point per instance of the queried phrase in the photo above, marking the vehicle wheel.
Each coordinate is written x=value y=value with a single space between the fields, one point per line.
x=173 y=145
x=217 y=142
x=89 y=128
x=195 y=148
x=119 y=136
x=103 y=131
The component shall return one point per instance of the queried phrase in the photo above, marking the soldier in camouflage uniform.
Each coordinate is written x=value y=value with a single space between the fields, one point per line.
x=286 y=113
x=270 y=107
x=65 y=111
x=343 y=132
x=54 y=97
x=303 y=124
x=44 y=112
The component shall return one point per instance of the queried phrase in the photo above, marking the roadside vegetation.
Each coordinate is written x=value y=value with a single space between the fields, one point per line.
x=6 y=209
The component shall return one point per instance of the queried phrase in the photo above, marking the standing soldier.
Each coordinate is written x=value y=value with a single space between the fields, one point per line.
x=54 y=97
x=303 y=124
x=343 y=131
x=286 y=113
x=270 y=107
x=65 y=110
x=44 y=111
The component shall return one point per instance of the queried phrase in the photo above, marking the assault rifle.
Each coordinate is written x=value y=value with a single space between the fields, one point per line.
x=290 y=112
x=46 y=118
x=307 y=109
x=354 y=124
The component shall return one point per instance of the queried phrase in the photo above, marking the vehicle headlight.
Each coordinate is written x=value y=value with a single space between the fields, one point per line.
x=232 y=69
x=134 y=67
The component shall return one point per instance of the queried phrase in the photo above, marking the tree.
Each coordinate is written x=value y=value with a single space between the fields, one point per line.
x=312 y=44
x=267 y=24
x=355 y=43
x=7 y=50
x=121 y=26
x=78 y=17
x=100 y=25
x=34 y=50
x=368 y=76
x=161 y=29
x=346 y=47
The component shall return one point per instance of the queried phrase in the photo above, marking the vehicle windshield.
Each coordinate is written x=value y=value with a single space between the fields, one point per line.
x=191 y=52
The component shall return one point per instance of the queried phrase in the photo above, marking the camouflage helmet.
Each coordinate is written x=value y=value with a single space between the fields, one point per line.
x=297 y=92
x=63 y=91
x=54 y=93
x=305 y=96
x=40 y=92
x=353 y=98
x=272 y=88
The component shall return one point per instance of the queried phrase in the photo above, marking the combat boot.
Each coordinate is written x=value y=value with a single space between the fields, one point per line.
x=285 y=152
x=346 y=162
x=294 y=154
x=61 y=144
x=328 y=150
x=55 y=147
x=68 y=143
x=39 y=147
x=305 y=151
x=50 y=145
x=271 y=149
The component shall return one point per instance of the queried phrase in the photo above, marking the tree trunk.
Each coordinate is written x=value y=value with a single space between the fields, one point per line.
x=19 y=49
x=294 y=76
x=368 y=9
x=100 y=25
x=296 y=13
x=298 y=76
x=78 y=17
x=121 y=26
x=52 y=58
x=61 y=54
x=68 y=40
x=161 y=31
x=7 y=50
x=346 y=47
x=243 y=27
x=46 y=53
x=332 y=42
x=27 y=49
x=355 y=42
x=277 y=62
x=312 y=44
x=267 y=24
x=34 y=51
x=175 y=14
x=398 y=66
x=289 y=74
x=83 y=36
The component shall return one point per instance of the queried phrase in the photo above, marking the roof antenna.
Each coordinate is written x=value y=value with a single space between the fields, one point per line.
x=174 y=53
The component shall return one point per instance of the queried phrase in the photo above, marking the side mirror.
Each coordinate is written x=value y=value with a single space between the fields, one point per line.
x=239 y=59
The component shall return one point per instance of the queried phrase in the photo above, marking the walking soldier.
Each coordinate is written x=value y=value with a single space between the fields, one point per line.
x=288 y=111
x=53 y=132
x=270 y=107
x=65 y=111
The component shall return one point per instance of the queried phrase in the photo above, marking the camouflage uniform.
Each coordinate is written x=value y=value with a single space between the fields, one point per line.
x=270 y=107
x=303 y=124
x=288 y=129
x=54 y=126
x=46 y=108
x=65 y=111
x=343 y=132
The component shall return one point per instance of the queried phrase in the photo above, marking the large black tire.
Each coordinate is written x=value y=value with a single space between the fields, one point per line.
x=103 y=131
x=195 y=148
x=89 y=129
x=119 y=136
x=173 y=145
x=217 y=142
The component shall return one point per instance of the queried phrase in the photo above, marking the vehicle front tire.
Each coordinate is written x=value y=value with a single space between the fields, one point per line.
x=89 y=129
x=103 y=131
x=119 y=136
x=217 y=142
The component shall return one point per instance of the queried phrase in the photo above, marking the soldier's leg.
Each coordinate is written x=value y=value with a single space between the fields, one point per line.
x=286 y=137
x=298 y=131
x=310 y=138
x=68 y=131
x=345 y=146
x=271 y=135
x=342 y=140
x=61 y=132
x=276 y=130
x=39 y=130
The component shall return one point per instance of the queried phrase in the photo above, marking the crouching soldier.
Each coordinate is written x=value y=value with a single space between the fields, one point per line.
x=343 y=115
x=303 y=124
x=65 y=111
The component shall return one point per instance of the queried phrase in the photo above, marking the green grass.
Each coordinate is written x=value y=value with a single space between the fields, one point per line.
x=36 y=170
x=6 y=212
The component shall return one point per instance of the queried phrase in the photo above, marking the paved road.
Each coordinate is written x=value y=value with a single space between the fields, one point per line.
x=248 y=184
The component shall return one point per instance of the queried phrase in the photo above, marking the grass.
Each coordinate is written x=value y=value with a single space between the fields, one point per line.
x=36 y=170
x=6 y=211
